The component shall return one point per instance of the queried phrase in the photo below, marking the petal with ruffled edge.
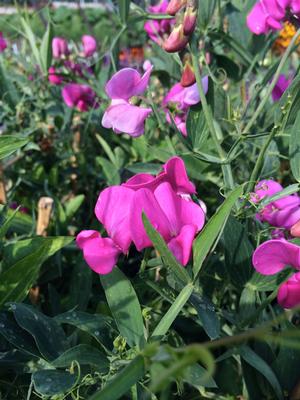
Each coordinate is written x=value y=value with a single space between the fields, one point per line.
x=289 y=292
x=145 y=201
x=177 y=176
x=181 y=245
x=127 y=83
x=124 y=117
x=101 y=254
x=274 y=255
x=112 y=210
x=179 y=211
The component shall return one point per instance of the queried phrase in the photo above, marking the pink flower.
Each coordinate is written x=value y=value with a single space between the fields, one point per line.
x=289 y=292
x=282 y=213
x=174 y=173
x=119 y=208
x=272 y=257
x=182 y=98
x=121 y=115
x=3 y=43
x=79 y=96
x=53 y=77
x=282 y=84
x=156 y=29
x=59 y=47
x=267 y=15
x=89 y=45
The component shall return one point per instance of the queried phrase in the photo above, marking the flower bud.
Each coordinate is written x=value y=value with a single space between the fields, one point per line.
x=188 y=77
x=190 y=18
x=176 y=41
x=59 y=47
x=175 y=5
x=295 y=229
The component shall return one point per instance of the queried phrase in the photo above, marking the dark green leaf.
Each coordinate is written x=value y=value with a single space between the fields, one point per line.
x=295 y=149
x=124 y=306
x=10 y=144
x=50 y=382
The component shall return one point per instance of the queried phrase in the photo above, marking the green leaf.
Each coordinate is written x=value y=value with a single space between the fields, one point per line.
x=84 y=355
x=7 y=223
x=124 y=7
x=72 y=206
x=32 y=40
x=124 y=306
x=206 y=12
x=260 y=365
x=25 y=258
x=46 y=49
x=263 y=283
x=123 y=381
x=50 y=382
x=238 y=253
x=295 y=149
x=207 y=315
x=166 y=255
x=96 y=325
x=167 y=320
x=48 y=335
x=213 y=229
x=10 y=144
x=196 y=376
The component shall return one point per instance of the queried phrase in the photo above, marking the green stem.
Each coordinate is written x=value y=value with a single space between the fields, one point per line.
x=226 y=168
x=261 y=106
x=259 y=162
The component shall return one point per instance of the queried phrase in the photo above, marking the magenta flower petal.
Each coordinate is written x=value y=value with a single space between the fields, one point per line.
x=142 y=181
x=257 y=20
x=101 y=254
x=112 y=210
x=127 y=83
x=282 y=84
x=177 y=176
x=266 y=188
x=274 y=255
x=89 y=45
x=145 y=201
x=79 y=96
x=181 y=245
x=289 y=292
x=191 y=93
x=3 y=43
x=124 y=117
x=175 y=95
x=59 y=47
x=179 y=211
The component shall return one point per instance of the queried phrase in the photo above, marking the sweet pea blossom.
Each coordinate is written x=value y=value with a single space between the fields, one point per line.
x=282 y=213
x=53 y=77
x=79 y=96
x=281 y=85
x=3 y=43
x=182 y=98
x=122 y=115
x=119 y=208
x=59 y=47
x=268 y=15
x=89 y=45
x=272 y=257
x=156 y=29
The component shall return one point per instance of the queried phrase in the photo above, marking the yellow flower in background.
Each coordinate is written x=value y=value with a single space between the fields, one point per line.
x=285 y=36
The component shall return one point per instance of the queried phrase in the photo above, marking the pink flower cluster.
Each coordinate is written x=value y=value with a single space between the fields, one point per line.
x=268 y=15
x=272 y=257
x=282 y=213
x=157 y=29
x=166 y=201
x=179 y=99
x=75 y=95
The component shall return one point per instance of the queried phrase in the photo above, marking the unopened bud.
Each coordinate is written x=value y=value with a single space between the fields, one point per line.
x=295 y=230
x=176 y=41
x=188 y=77
x=190 y=18
x=175 y=5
